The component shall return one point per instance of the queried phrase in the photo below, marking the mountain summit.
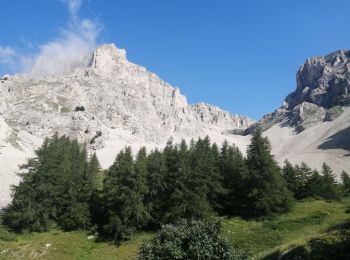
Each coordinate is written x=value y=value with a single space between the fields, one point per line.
x=109 y=104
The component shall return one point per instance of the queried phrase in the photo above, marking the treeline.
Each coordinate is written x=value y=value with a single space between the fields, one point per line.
x=61 y=187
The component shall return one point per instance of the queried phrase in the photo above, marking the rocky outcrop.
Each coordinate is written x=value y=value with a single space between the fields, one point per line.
x=323 y=81
x=306 y=115
x=323 y=87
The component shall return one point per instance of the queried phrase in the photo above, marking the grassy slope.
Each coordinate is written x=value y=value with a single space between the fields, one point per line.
x=307 y=220
x=65 y=245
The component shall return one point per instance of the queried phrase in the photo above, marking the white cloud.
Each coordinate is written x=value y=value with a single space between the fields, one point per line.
x=71 y=48
x=74 y=6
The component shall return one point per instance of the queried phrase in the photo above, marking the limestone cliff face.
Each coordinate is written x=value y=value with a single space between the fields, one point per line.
x=108 y=105
x=323 y=81
x=323 y=87
x=112 y=93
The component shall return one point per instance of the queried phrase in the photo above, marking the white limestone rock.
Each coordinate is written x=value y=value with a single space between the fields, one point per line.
x=108 y=105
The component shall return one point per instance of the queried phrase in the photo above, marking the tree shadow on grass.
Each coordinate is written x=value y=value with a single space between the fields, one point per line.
x=340 y=140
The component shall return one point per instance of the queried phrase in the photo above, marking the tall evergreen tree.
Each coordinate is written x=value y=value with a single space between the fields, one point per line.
x=155 y=181
x=266 y=189
x=329 y=188
x=124 y=191
x=234 y=170
x=55 y=189
x=345 y=184
x=313 y=185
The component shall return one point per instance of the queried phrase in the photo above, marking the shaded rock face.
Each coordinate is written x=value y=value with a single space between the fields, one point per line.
x=324 y=81
x=306 y=115
x=323 y=87
x=111 y=94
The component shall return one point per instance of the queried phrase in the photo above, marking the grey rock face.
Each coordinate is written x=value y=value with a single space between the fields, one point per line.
x=322 y=84
x=306 y=115
x=110 y=94
x=324 y=81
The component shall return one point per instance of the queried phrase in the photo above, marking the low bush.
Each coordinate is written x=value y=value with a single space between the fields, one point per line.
x=190 y=240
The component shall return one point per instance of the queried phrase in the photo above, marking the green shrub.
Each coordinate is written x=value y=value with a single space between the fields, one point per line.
x=65 y=110
x=333 y=113
x=190 y=240
x=81 y=108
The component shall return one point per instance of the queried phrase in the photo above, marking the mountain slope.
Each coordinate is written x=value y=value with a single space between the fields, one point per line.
x=313 y=124
x=325 y=142
x=108 y=105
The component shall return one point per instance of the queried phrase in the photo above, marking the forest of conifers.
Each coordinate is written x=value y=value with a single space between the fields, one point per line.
x=63 y=186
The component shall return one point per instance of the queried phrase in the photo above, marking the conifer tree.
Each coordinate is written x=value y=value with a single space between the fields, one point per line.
x=345 y=184
x=329 y=188
x=295 y=179
x=124 y=191
x=266 y=190
x=183 y=201
x=155 y=181
x=55 y=189
x=234 y=170
x=313 y=185
x=305 y=176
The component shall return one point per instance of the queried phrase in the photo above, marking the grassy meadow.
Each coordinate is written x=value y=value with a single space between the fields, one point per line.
x=264 y=238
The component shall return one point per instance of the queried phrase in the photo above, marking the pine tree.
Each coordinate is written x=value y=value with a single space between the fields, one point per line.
x=233 y=170
x=305 y=175
x=24 y=212
x=155 y=197
x=295 y=178
x=345 y=184
x=266 y=190
x=123 y=194
x=192 y=176
x=181 y=200
x=55 y=189
x=329 y=188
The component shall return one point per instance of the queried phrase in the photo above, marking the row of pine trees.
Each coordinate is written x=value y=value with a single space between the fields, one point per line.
x=64 y=187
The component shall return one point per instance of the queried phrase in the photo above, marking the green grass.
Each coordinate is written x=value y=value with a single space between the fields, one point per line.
x=65 y=245
x=309 y=219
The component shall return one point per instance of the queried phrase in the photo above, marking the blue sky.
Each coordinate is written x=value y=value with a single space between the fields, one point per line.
x=240 y=55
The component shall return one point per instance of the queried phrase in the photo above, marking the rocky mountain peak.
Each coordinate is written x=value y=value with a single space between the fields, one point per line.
x=323 y=87
x=323 y=81
x=110 y=104
x=107 y=56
